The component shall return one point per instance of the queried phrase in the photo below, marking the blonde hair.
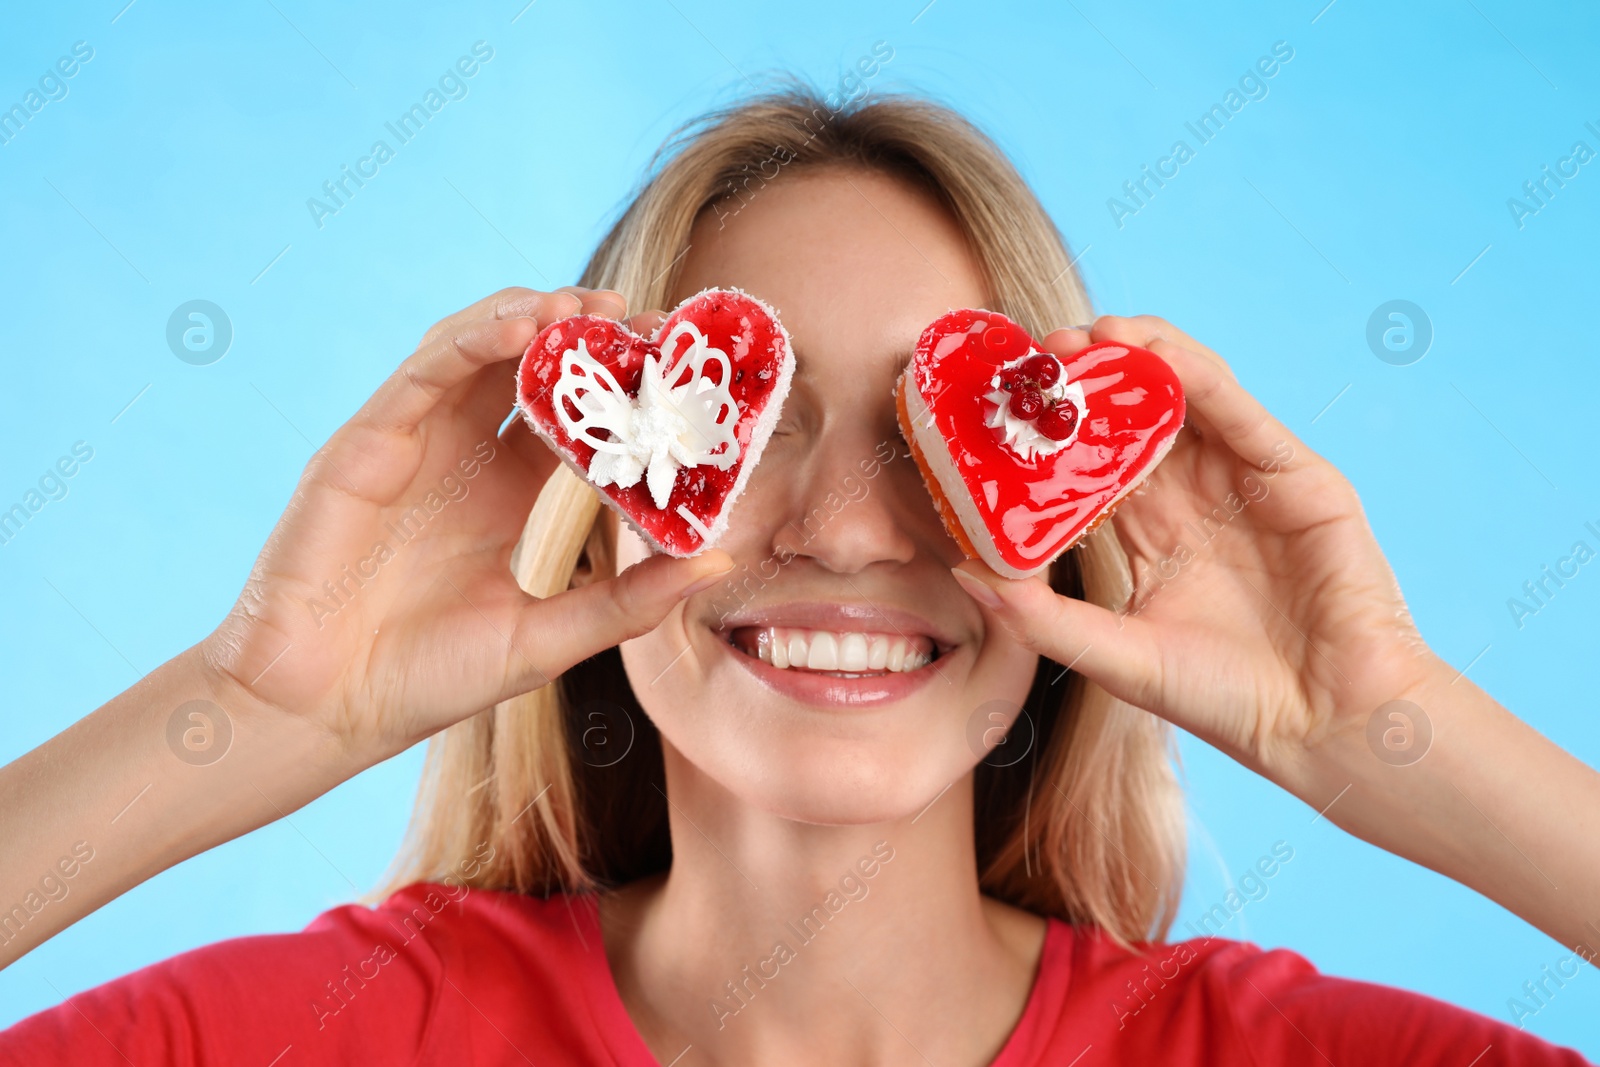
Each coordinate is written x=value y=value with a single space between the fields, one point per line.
x=1088 y=828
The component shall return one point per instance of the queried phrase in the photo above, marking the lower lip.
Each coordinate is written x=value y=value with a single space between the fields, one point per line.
x=827 y=690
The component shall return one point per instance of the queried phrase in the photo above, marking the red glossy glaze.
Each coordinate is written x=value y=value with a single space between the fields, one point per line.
x=758 y=350
x=1033 y=510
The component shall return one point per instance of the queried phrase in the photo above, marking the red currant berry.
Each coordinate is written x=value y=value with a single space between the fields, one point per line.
x=1058 y=422
x=1011 y=380
x=1042 y=369
x=1027 y=402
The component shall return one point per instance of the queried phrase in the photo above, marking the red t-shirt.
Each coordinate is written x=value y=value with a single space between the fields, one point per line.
x=500 y=978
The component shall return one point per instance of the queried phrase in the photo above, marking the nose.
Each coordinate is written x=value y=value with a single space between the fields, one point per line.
x=850 y=508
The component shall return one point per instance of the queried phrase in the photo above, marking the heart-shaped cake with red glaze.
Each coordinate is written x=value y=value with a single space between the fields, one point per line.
x=666 y=427
x=1025 y=452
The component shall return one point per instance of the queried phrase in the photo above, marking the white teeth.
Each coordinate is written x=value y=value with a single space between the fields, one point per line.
x=853 y=652
x=788 y=647
x=824 y=654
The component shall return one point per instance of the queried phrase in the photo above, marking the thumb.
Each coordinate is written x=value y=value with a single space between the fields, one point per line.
x=1118 y=652
x=573 y=625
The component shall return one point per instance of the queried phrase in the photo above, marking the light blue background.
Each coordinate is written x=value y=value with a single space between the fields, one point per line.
x=1378 y=167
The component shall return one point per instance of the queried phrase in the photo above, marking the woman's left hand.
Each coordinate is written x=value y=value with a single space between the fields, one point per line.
x=1264 y=618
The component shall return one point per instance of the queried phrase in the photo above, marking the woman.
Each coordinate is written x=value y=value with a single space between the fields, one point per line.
x=677 y=853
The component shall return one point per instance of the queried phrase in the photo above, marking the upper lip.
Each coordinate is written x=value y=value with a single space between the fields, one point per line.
x=839 y=617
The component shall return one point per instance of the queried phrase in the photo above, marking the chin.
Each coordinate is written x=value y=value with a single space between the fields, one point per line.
x=827 y=746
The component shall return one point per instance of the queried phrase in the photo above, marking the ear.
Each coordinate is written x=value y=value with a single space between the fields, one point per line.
x=598 y=560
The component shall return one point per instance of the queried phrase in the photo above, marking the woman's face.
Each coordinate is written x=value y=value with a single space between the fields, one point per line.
x=841 y=562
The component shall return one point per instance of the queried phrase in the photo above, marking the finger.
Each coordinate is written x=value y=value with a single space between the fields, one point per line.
x=513 y=303
x=1066 y=342
x=1142 y=331
x=1224 y=410
x=416 y=388
x=529 y=448
x=647 y=322
x=490 y=390
x=1118 y=652
x=607 y=302
x=569 y=627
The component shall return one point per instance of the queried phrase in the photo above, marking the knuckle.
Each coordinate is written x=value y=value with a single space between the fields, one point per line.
x=1339 y=488
x=478 y=342
x=1155 y=327
x=1026 y=636
x=434 y=332
x=1121 y=329
x=321 y=472
x=415 y=379
x=513 y=302
x=567 y=302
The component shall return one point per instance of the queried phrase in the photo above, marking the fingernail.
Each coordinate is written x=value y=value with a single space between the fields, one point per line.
x=977 y=590
x=706 y=581
x=611 y=309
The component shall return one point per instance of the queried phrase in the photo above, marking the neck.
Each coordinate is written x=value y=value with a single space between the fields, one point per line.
x=765 y=925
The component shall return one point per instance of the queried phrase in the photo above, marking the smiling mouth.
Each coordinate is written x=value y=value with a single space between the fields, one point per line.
x=840 y=654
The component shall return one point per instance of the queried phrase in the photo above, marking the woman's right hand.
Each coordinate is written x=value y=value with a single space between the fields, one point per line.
x=381 y=610
x=383 y=607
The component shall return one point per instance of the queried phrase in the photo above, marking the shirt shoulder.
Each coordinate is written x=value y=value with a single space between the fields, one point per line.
x=1214 y=1001
x=433 y=966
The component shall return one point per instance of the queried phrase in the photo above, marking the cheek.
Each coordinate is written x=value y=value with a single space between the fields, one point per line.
x=668 y=682
x=646 y=656
x=822 y=768
x=834 y=769
x=999 y=682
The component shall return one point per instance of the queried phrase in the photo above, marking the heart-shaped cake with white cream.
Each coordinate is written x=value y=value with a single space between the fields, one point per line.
x=666 y=427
